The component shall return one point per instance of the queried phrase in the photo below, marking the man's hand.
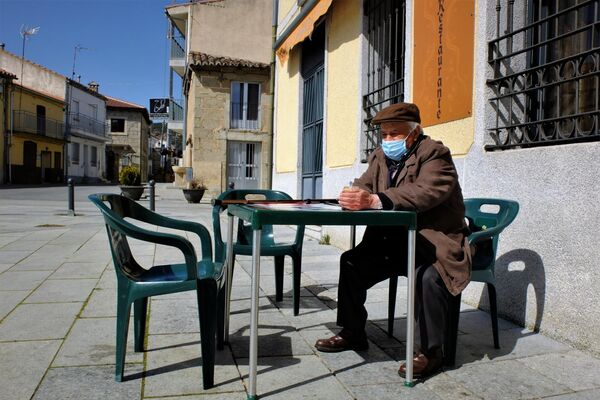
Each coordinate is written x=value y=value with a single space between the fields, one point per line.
x=355 y=198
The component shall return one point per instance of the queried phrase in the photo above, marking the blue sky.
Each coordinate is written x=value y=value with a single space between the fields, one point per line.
x=126 y=42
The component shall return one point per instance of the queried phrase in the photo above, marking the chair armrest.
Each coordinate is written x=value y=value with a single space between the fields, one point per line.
x=166 y=239
x=478 y=236
x=200 y=230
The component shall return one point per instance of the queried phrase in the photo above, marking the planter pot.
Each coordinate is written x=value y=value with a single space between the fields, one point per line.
x=193 y=195
x=132 y=192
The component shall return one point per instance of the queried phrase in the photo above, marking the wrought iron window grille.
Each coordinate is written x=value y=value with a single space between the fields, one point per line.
x=546 y=74
x=385 y=34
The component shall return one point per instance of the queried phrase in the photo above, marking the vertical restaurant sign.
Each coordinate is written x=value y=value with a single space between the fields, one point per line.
x=443 y=59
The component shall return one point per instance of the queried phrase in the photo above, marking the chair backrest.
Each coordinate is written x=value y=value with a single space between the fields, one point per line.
x=120 y=207
x=243 y=233
x=487 y=219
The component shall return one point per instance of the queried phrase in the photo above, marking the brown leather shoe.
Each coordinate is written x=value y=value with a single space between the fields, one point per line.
x=337 y=343
x=423 y=367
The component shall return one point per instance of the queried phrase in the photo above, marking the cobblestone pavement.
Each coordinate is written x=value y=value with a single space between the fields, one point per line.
x=57 y=325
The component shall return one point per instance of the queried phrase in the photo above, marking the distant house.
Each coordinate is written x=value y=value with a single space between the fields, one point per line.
x=35 y=138
x=86 y=131
x=129 y=126
x=227 y=89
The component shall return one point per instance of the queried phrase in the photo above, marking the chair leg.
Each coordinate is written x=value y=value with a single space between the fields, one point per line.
x=279 y=278
x=221 y=318
x=140 y=311
x=296 y=275
x=123 y=313
x=452 y=330
x=207 y=308
x=392 y=304
x=494 y=314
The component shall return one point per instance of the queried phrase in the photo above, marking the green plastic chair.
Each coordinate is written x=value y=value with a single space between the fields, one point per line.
x=135 y=283
x=486 y=227
x=269 y=245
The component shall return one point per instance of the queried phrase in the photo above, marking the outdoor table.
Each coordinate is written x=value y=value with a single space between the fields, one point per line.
x=313 y=214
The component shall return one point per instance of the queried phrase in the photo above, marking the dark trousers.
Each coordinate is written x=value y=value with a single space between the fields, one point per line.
x=372 y=262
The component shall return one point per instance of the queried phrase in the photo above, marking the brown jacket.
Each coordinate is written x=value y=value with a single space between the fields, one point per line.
x=428 y=184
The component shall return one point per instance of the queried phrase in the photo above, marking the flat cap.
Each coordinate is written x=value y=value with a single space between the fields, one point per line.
x=399 y=112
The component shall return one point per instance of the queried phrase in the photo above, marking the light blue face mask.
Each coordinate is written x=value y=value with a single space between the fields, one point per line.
x=394 y=149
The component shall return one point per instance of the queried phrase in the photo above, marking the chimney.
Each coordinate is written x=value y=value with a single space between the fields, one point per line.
x=94 y=86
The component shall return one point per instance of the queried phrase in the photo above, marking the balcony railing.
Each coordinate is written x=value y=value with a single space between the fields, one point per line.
x=177 y=48
x=27 y=122
x=176 y=110
x=83 y=123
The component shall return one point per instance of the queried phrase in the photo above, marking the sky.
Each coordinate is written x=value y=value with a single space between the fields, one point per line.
x=125 y=42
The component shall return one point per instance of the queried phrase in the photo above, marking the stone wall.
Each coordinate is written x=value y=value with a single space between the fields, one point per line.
x=209 y=130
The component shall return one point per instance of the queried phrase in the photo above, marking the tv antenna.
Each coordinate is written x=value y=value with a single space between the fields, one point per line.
x=76 y=49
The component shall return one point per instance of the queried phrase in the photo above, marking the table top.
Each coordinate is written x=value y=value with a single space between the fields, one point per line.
x=319 y=214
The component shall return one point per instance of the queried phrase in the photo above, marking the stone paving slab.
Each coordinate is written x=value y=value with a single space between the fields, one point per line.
x=79 y=270
x=584 y=395
x=95 y=382
x=92 y=342
x=102 y=303
x=10 y=299
x=23 y=364
x=299 y=377
x=22 y=280
x=13 y=256
x=62 y=291
x=511 y=380
x=39 y=321
x=514 y=343
x=173 y=367
x=574 y=369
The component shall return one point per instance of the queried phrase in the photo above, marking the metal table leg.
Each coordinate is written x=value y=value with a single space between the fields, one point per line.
x=254 y=314
x=229 y=275
x=410 y=315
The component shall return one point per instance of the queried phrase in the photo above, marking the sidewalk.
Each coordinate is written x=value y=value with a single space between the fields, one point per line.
x=57 y=325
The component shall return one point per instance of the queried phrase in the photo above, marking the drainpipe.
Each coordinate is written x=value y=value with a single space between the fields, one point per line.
x=10 y=137
x=272 y=89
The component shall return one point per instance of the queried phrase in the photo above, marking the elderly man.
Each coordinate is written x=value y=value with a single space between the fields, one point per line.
x=409 y=171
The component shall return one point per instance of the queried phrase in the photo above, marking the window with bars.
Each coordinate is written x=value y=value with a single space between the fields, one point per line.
x=384 y=33
x=546 y=74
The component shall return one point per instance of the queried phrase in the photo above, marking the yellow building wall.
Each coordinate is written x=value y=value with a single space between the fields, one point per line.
x=16 y=150
x=2 y=127
x=287 y=106
x=54 y=109
x=457 y=135
x=343 y=82
x=285 y=6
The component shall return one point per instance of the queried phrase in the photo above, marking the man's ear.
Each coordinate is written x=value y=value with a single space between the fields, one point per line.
x=413 y=136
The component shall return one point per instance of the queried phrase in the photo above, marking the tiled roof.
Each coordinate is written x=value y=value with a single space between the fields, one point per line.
x=206 y=60
x=117 y=103
x=7 y=74
x=111 y=102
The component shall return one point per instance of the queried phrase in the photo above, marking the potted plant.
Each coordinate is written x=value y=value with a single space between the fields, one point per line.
x=131 y=182
x=194 y=191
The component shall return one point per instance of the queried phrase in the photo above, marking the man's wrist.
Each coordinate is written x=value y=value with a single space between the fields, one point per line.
x=375 y=202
